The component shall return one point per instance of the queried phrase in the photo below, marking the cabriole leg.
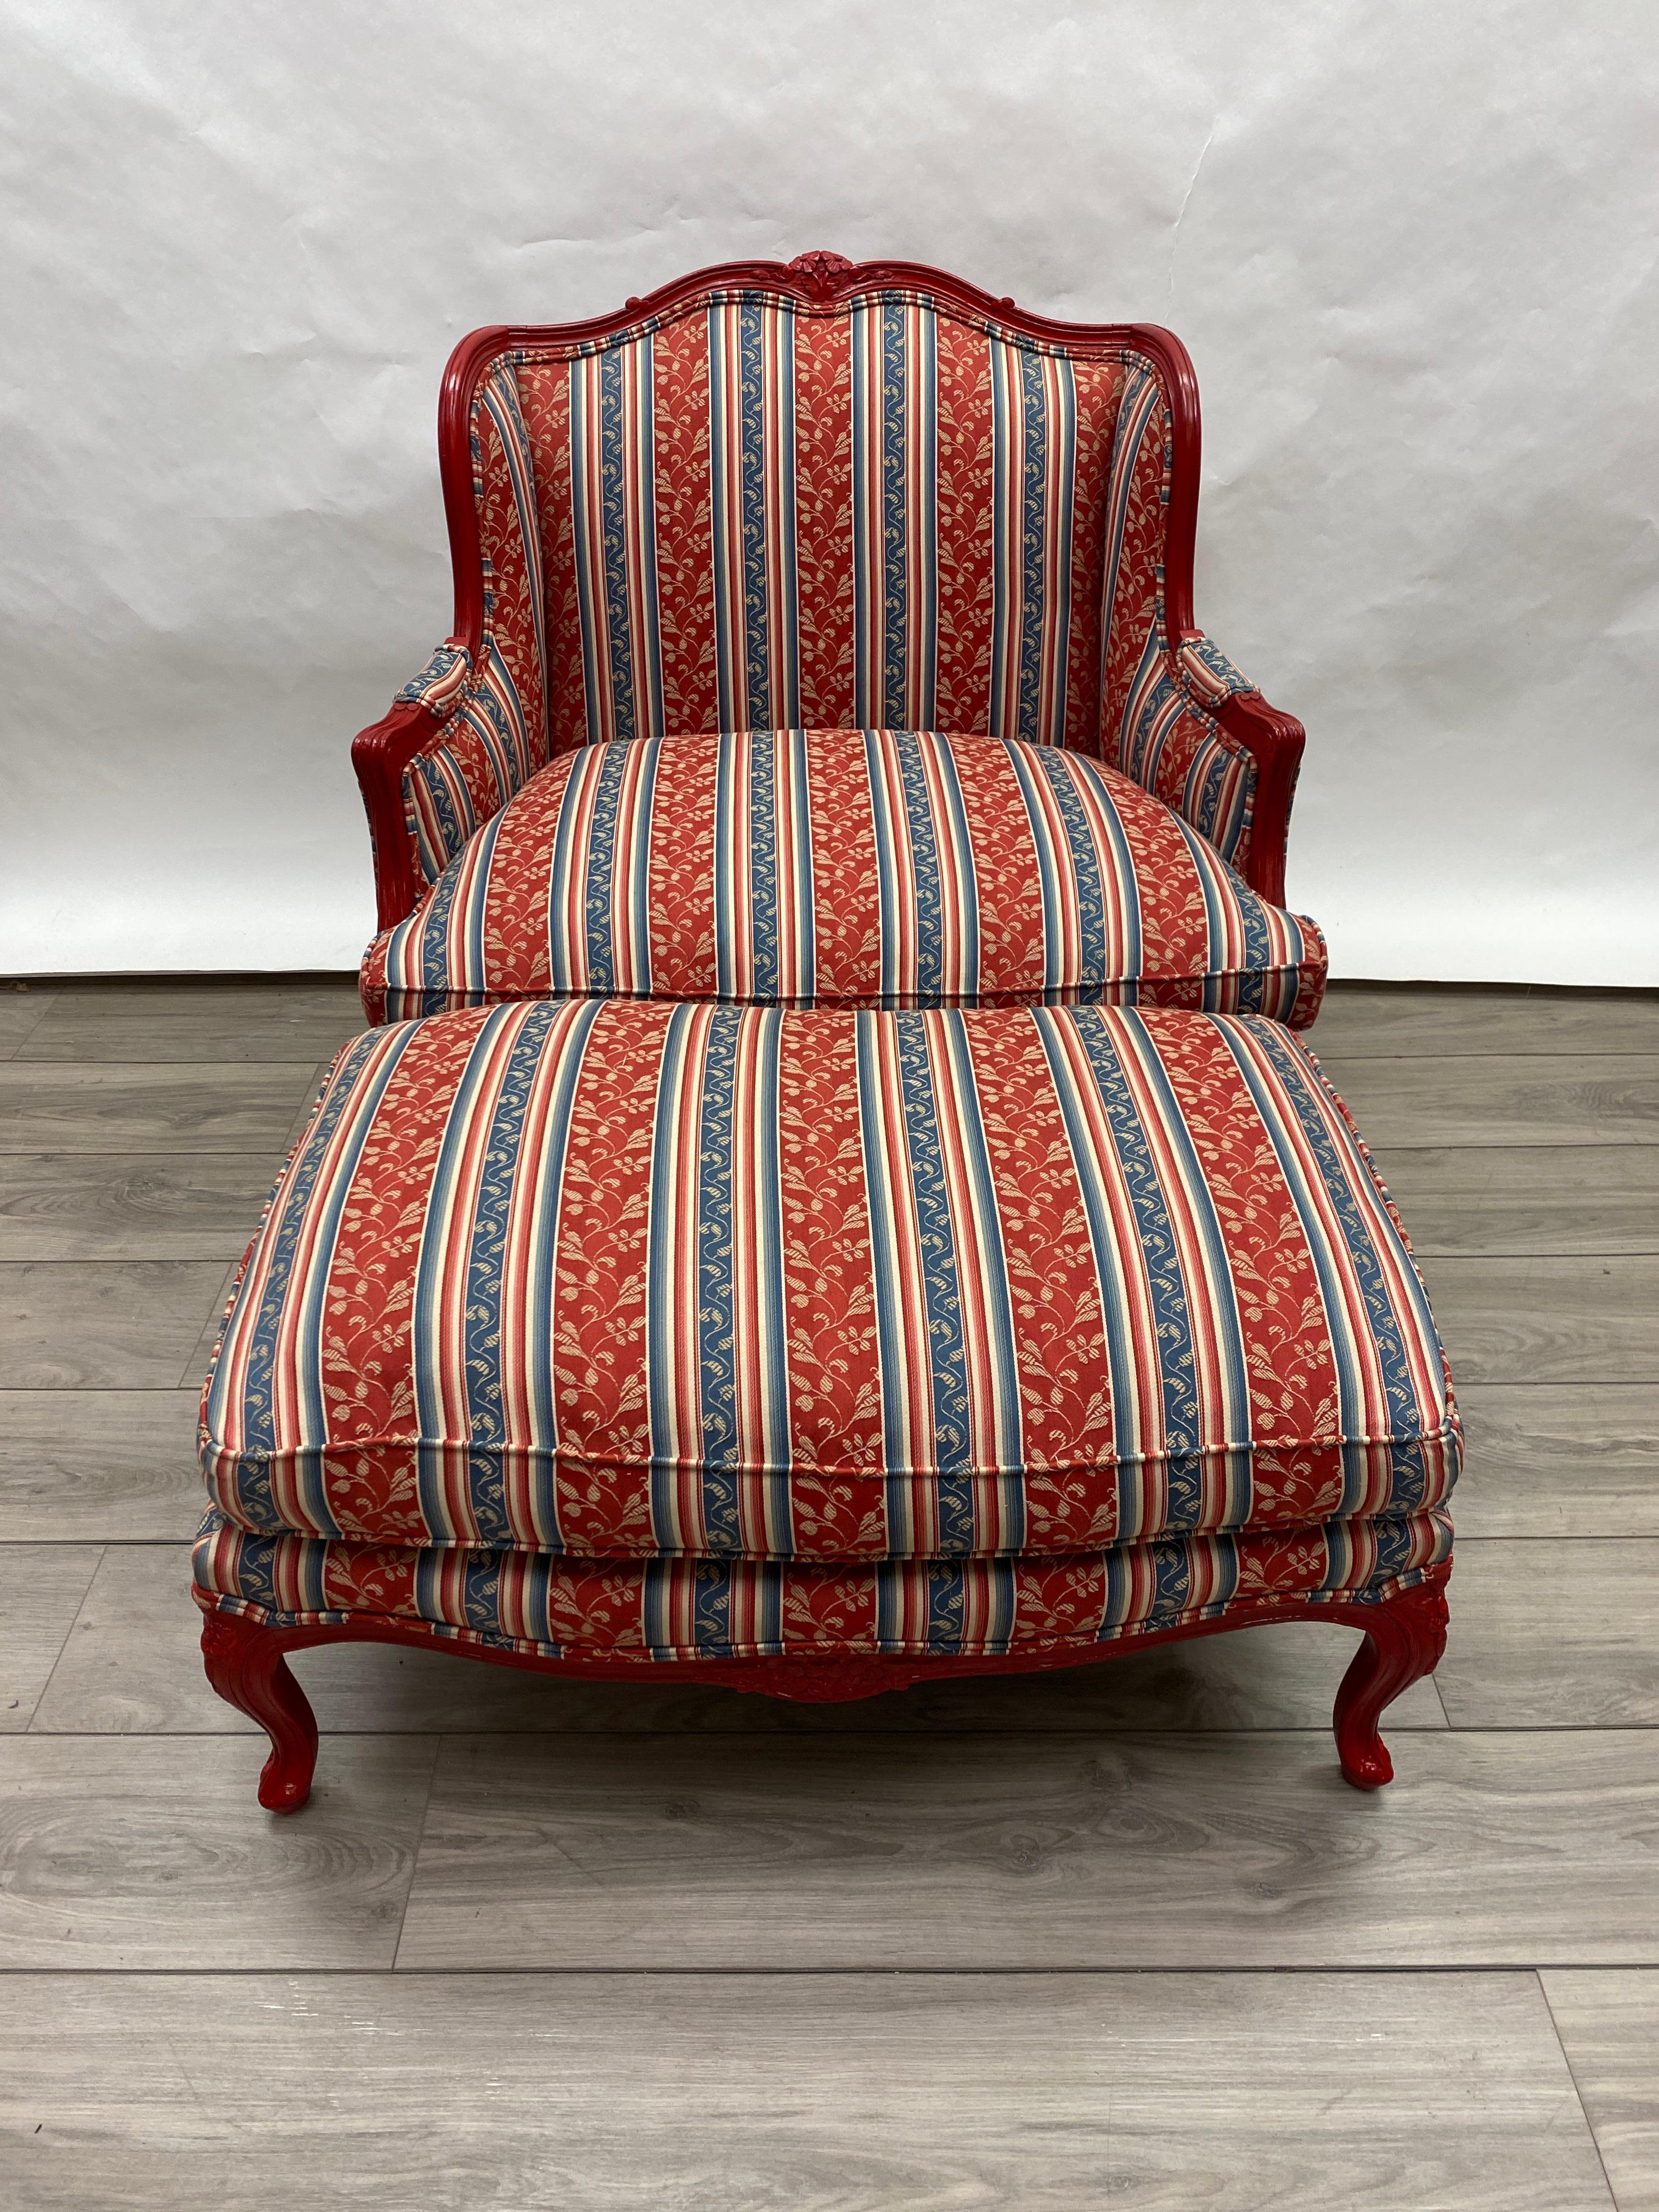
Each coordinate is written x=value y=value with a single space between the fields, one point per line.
x=246 y=1666
x=1404 y=1639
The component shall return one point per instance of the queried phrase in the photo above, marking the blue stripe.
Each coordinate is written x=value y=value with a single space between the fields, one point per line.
x=662 y=1255
x=429 y=1278
x=1035 y=461
x=596 y=677
x=763 y=862
x=485 y=1255
x=1171 y=1566
x=946 y=1584
x=866 y=707
x=601 y=870
x=882 y=1201
x=887 y=859
x=770 y=1294
x=1001 y=581
x=716 y=1287
x=639 y=901
x=804 y=890
x=1057 y=769
x=1219 y=1295
x=751 y=401
x=1171 y=1308
x=539 y=1378
x=436 y=972
x=614 y=508
x=452 y=830
x=924 y=868
x=1121 y=1357
x=648 y=650
x=721 y=522
x=920 y=711
x=894 y=575
x=728 y=780
x=711 y=1606
x=940 y=1288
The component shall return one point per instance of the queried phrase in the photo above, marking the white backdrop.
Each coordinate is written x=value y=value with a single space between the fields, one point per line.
x=1410 y=244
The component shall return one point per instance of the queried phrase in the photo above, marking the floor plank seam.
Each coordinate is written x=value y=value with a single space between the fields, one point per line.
x=1493 y=1967
x=438 y=1736
x=58 y=1660
x=1572 y=2077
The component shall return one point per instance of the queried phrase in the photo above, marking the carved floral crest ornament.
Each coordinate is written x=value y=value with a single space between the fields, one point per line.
x=822 y=273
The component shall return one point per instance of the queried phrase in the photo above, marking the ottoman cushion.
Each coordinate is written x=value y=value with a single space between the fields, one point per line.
x=880 y=867
x=633 y=1281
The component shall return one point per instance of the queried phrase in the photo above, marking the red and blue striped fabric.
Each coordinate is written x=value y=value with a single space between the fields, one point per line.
x=621 y=1279
x=493 y=712
x=1157 y=704
x=660 y=1610
x=487 y=753
x=878 y=867
x=755 y=515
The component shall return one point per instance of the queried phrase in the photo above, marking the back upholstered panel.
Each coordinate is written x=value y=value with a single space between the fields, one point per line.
x=754 y=513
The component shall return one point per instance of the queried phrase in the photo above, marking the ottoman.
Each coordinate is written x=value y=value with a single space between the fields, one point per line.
x=821 y=1351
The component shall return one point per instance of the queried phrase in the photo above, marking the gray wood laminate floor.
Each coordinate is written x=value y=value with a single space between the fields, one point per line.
x=1122 y=1937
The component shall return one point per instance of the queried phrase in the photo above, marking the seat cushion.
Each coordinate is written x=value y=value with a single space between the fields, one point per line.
x=627 y=1279
x=653 y=1609
x=870 y=868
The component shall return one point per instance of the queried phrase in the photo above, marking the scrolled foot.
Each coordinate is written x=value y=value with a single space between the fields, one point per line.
x=1404 y=1638
x=245 y=1664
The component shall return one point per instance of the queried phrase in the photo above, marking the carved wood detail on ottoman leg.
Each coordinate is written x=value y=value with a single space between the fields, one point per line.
x=1405 y=1638
x=246 y=1666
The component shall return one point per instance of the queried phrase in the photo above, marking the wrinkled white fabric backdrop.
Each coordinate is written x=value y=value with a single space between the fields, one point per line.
x=1410 y=247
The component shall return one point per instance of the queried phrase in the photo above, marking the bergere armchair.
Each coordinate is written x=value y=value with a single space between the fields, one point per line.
x=832 y=1195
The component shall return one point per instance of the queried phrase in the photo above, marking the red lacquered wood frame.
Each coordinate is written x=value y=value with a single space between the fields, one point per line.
x=817 y=281
x=1405 y=1637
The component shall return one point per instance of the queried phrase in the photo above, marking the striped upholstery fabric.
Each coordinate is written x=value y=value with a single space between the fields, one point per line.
x=621 y=1279
x=488 y=753
x=493 y=713
x=881 y=867
x=1159 y=704
x=760 y=515
x=1171 y=744
x=756 y=514
x=667 y=1609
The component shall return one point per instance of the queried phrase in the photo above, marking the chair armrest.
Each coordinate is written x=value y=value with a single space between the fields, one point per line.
x=1201 y=736
x=1273 y=738
x=450 y=754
